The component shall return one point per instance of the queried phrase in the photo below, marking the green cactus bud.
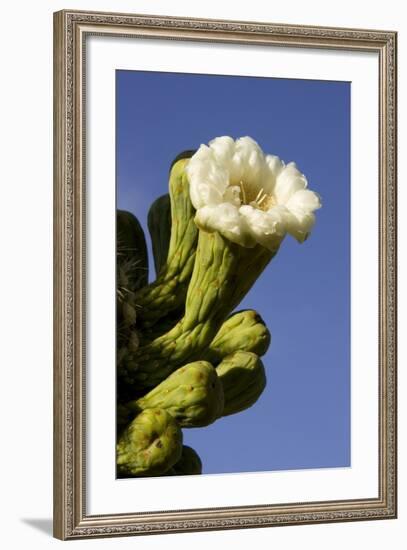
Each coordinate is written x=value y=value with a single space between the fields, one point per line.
x=243 y=331
x=132 y=258
x=167 y=293
x=159 y=225
x=192 y=395
x=223 y=273
x=150 y=445
x=243 y=380
x=188 y=464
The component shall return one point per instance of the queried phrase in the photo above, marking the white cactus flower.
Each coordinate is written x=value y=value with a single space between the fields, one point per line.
x=247 y=196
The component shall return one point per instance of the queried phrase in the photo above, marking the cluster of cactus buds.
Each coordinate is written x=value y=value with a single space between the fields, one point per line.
x=184 y=359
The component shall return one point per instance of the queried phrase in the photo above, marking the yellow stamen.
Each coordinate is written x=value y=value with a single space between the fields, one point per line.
x=243 y=192
x=263 y=198
x=259 y=194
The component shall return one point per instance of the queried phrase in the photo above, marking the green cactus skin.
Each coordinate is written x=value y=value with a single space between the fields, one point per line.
x=132 y=273
x=167 y=293
x=193 y=395
x=223 y=273
x=150 y=445
x=189 y=464
x=159 y=226
x=245 y=331
x=243 y=379
x=132 y=257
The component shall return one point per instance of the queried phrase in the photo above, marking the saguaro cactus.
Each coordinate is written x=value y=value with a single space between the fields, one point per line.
x=184 y=358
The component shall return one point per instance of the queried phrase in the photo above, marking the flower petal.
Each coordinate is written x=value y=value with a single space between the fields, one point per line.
x=226 y=219
x=275 y=164
x=304 y=200
x=208 y=194
x=289 y=181
x=267 y=228
x=203 y=171
x=248 y=163
x=299 y=226
x=232 y=195
x=223 y=148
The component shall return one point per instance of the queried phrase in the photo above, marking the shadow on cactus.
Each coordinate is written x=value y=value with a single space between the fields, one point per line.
x=185 y=357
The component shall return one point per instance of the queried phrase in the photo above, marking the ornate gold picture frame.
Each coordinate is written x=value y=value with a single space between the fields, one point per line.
x=72 y=518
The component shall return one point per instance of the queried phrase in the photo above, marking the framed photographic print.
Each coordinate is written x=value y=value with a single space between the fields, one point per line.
x=225 y=274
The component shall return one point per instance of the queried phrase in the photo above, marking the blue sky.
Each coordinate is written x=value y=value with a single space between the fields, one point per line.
x=302 y=420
